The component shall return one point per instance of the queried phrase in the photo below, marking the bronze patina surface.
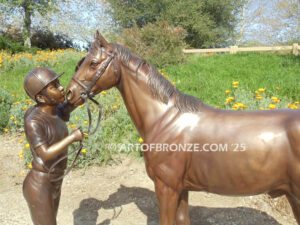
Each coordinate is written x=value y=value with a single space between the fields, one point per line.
x=262 y=148
x=47 y=134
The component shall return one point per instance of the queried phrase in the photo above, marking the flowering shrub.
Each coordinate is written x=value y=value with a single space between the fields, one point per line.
x=158 y=43
x=5 y=104
x=45 y=58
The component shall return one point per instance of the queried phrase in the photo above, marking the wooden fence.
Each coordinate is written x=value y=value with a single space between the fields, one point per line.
x=234 y=49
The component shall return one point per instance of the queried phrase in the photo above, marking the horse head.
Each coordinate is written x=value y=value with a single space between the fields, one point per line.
x=96 y=72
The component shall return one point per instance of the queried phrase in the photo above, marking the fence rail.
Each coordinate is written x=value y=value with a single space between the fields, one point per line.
x=234 y=49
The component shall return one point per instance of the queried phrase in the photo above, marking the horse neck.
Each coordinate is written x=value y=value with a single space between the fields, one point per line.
x=143 y=108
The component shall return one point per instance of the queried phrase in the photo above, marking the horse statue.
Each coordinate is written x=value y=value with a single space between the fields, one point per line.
x=224 y=152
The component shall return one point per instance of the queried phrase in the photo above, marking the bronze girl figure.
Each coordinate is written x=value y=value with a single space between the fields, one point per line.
x=47 y=134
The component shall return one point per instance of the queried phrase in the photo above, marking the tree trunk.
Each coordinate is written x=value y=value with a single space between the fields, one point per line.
x=27 y=24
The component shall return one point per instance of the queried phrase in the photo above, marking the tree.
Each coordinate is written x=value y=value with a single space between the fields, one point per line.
x=28 y=8
x=271 y=21
x=209 y=23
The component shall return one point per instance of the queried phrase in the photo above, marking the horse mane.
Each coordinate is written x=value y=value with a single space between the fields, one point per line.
x=159 y=86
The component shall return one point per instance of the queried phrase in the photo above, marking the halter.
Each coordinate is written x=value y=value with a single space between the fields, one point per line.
x=87 y=94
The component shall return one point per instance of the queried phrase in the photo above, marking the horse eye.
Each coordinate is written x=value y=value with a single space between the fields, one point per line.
x=94 y=64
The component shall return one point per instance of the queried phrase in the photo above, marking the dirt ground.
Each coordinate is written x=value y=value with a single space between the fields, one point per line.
x=122 y=194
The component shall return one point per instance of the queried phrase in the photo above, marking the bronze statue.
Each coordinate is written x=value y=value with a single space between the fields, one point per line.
x=259 y=151
x=47 y=134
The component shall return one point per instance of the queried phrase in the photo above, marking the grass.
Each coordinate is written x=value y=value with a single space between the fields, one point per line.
x=13 y=73
x=209 y=77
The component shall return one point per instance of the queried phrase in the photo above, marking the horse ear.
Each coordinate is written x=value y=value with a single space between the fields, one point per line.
x=102 y=40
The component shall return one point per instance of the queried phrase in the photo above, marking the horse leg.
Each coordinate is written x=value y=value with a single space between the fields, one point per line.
x=182 y=214
x=167 y=202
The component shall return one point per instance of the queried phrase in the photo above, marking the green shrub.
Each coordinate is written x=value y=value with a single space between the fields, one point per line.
x=5 y=105
x=14 y=46
x=157 y=43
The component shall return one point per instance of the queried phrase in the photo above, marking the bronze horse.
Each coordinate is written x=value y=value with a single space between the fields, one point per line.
x=229 y=152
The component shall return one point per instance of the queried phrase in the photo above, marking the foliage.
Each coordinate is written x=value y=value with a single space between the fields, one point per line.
x=14 y=46
x=29 y=8
x=157 y=43
x=209 y=23
x=270 y=22
x=45 y=39
x=5 y=105
x=13 y=68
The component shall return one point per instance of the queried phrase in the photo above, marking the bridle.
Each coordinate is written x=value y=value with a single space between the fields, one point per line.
x=87 y=94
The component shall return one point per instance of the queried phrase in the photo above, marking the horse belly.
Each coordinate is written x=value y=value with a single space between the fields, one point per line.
x=252 y=171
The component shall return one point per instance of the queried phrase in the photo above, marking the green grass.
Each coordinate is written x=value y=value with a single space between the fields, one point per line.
x=207 y=77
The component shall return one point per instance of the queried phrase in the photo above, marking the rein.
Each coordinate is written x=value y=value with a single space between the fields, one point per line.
x=86 y=95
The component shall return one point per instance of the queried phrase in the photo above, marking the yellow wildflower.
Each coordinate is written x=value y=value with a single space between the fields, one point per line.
x=235 y=107
x=103 y=92
x=5 y=130
x=258 y=97
x=141 y=140
x=166 y=77
x=241 y=105
x=83 y=150
x=76 y=118
x=173 y=83
x=115 y=107
x=27 y=145
x=16 y=122
x=256 y=92
x=30 y=165
x=272 y=106
x=12 y=118
x=262 y=90
x=261 y=108
x=2 y=99
x=230 y=99
x=21 y=141
x=218 y=107
x=296 y=103
x=85 y=122
x=21 y=155
x=227 y=92
x=73 y=125
x=235 y=86
x=277 y=88
x=85 y=135
x=235 y=83
x=81 y=106
x=292 y=106
x=118 y=100
x=24 y=108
